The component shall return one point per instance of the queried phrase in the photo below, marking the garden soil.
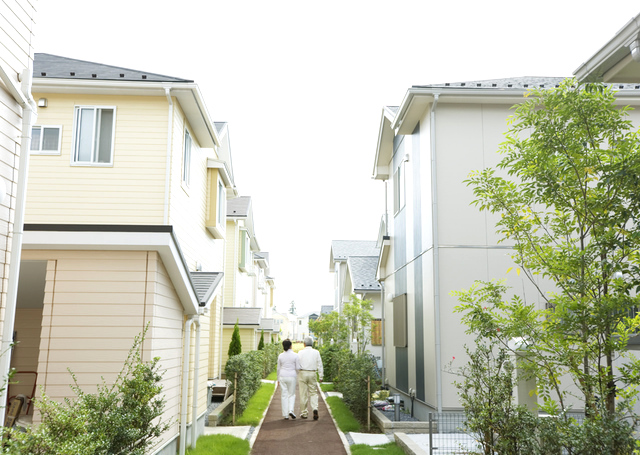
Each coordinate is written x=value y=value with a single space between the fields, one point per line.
x=300 y=436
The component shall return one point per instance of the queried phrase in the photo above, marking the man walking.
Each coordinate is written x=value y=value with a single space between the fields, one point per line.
x=310 y=364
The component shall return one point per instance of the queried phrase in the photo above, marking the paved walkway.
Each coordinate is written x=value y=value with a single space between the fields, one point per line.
x=299 y=436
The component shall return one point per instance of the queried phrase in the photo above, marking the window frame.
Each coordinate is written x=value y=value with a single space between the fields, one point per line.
x=58 y=151
x=399 y=188
x=74 y=139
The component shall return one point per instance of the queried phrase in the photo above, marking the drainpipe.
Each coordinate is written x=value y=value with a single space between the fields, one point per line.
x=384 y=365
x=185 y=383
x=167 y=179
x=196 y=373
x=436 y=252
x=29 y=113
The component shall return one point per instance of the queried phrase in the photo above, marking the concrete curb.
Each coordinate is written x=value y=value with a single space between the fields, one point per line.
x=408 y=446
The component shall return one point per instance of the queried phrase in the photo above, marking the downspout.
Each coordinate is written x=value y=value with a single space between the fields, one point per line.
x=29 y=113
x=384 y=365
x=185 y=382
x=196 y=373
x=167 y=178
x=436 y=251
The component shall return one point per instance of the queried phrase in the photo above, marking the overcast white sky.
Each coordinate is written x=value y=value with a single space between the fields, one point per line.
x=302 y=85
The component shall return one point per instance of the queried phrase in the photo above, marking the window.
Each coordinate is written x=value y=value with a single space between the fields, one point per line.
x=400 y=321
x=186 y=159
x=399 y=189
x=221 y=204
x=93 y=135
x=45 y=140
x=376 y=332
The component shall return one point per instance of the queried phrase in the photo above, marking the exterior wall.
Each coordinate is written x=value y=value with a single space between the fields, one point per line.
x=188 y=206
x=95 y=303
x=215 y=334
x=16 y=55
x=231 y=263
x=24 y=357
x=129 y=192
x=467 y=245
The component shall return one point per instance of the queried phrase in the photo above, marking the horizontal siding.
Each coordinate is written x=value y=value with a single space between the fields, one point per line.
x=25 y=354
x=129 y=192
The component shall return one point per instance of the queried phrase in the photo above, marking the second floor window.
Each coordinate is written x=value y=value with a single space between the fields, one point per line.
x=45 y=140
x=93 y=134
x=186 y=159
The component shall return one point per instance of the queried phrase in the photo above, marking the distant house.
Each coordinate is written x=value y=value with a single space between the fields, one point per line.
x=249 y=322
x=125 y=225
x=355 y=264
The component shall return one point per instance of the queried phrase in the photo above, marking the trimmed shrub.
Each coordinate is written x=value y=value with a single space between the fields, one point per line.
x=271 y=352
x=249 y=366
x=235 y=346
x=333 y=357
x=261 y=342
x=352 y=382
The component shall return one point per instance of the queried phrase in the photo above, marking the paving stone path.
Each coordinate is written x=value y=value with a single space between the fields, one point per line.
x=299 y=436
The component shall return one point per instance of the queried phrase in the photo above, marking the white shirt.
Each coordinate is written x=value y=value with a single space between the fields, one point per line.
x=288 y=364
x=310 y=360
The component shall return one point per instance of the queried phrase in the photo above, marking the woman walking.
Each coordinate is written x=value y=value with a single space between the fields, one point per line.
x=288 y=367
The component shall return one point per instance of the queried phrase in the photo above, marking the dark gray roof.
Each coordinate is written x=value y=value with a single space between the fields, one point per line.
x=342 y=249
x=507 y=83
x=238 y=206
x=363 y=273
x=56 y=67
x=205 y=284
x=244 y=316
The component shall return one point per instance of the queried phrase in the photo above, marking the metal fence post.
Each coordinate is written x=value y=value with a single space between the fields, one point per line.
x=431 y=448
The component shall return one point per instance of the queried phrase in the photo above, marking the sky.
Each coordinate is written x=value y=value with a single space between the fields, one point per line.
x=302 y=85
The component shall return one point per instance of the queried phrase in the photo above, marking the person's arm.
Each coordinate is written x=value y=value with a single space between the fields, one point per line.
x=278 y=370
x=320 y=368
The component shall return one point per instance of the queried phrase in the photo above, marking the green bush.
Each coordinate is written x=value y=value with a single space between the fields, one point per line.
x=235 y=346
x=122 y=418
x=271 y=352
x=352 y=382
x=250 y=367
x=261 y=342
x=333 y=357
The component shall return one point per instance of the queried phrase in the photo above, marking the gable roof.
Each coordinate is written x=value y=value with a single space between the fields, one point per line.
x=56 y=74
x=244 y=316
x=342 y=249
x=205 y=284
x=362 y=270
x=57 y=67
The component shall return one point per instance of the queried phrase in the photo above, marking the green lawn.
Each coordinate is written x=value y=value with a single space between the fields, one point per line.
x=257 y=405
x=220 y=444
x=387 y=449
x=326 y=387
x=273 y=376
x=343 y=416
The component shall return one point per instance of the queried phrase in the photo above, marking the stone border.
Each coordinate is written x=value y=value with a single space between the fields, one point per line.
x=408 y=445
x=390 y=426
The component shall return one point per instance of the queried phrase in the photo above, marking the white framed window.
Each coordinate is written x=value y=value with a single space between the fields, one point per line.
x=399 y=198
x=186 y=158
x=220 y=213
x=93 y=135
x=46 y=139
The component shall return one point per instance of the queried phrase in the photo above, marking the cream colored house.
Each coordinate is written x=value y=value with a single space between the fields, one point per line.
x=17 y=114
x=125 y=226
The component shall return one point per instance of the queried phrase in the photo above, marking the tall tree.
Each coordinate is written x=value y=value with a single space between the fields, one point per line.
x=261 y=342
x=570 y=208
x=357 y=311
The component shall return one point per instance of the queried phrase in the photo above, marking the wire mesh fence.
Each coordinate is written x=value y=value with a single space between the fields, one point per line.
x=447 y=434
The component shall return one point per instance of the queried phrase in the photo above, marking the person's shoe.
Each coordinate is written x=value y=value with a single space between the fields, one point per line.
x=292 y=415
x=303 y=416
x=315 y=414
x=286 y=418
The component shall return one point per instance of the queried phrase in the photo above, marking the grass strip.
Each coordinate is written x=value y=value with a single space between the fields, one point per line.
x=257 y=405
x=342 y=415
x=327 y=387
x=273 y=376
x=387 y=449
x=220 y=444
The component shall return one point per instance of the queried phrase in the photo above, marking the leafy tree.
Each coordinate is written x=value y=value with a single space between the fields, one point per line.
x=358 y=314
x=235 y=346
x=123 y=418
x=331 y=326
x=569 y=205
x=261 y=342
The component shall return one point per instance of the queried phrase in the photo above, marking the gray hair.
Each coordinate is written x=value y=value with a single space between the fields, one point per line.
x=308 y=341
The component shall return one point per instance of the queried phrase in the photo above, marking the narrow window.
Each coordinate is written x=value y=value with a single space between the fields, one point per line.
x=400 y=321
x=186 y=159
x=221 y=204
x=93 y=135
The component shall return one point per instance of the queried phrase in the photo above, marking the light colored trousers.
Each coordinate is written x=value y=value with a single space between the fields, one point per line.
x=308 y=391
x=288 y=385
